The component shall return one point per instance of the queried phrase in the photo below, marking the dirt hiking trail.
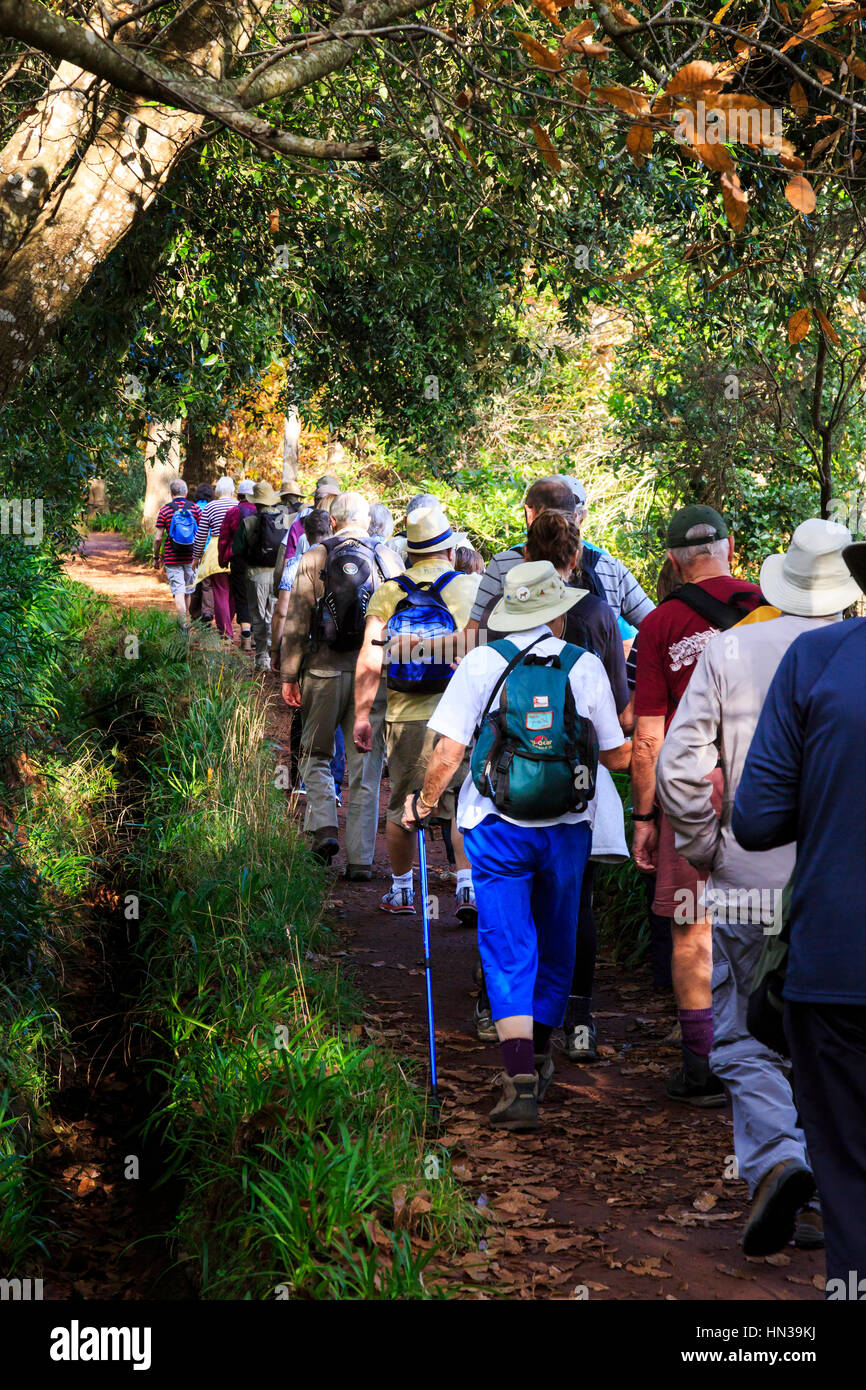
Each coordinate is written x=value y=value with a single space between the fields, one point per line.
x=621 y=1194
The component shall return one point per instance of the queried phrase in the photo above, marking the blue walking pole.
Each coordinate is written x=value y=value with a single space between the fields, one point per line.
x=425 y=926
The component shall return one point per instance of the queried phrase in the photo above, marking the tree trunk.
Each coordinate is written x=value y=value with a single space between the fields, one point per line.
x=161 y=464
x=61 y=225
x=201 y=457
x=118 y=177
x=291 y=436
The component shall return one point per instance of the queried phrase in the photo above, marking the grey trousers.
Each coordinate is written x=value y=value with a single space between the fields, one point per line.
x=765 y=1116
x=262 y=601
x=326 y=703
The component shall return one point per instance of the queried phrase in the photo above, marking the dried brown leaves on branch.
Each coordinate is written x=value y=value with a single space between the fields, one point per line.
x=99 y=106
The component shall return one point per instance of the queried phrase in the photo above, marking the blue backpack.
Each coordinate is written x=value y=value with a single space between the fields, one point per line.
x=183 y=525
x=423 y=616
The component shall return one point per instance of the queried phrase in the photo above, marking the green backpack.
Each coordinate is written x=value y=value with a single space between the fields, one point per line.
x=535 y=757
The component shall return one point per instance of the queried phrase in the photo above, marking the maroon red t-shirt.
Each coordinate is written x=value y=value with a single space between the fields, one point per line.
x=670 y=641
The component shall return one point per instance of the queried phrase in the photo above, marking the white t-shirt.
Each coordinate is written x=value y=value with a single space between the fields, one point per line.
x=461 y=706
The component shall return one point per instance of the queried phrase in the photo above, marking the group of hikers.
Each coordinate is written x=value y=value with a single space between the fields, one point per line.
x=501 y=698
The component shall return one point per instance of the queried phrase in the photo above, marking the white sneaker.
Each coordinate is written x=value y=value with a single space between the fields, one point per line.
x=398 y=900
x=466 y=908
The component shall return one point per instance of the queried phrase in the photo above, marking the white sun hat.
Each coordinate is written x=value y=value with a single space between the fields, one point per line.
x=811 y=580
x=534 y=594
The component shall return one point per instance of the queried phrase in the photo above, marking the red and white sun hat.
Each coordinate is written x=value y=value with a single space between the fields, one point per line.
x=811 y=579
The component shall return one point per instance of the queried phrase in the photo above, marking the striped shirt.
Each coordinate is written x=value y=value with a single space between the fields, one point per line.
x=212 y=517
x=616 y=582
x=175 y=554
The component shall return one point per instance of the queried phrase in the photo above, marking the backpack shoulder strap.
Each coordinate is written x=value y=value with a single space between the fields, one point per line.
x=439 y=584
x=514 y=655
x=721 y=613
x=570 y=656
x=405 y=583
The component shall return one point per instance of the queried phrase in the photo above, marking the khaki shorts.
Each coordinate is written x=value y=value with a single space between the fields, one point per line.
x=409 y=744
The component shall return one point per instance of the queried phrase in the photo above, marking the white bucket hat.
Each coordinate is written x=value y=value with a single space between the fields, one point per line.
x=811 y=580
x=534 y=594
x=428 y=530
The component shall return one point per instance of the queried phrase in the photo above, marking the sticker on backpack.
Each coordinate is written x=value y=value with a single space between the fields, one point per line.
x=540 y=701
x=539 y=719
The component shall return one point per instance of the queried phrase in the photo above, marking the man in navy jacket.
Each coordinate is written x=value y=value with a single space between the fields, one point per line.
x=805 y=780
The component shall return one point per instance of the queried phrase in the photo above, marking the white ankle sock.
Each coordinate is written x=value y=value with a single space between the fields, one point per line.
x=399 y=881
x=464 y=879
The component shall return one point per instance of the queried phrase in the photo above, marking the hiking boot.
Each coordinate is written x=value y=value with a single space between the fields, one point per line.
x=398 y=900
x=359 y=873
x=775 y=1206
x=325 y=845
x=579 y=1034
x=695 y=1084
x=544 y=1070
x=482 y=1020
x=517 y=1106
x=466 y=910
x=246 y=641
x=263 y=663
x=809 y=1230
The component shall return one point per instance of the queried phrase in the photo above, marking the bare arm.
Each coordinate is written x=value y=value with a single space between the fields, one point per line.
x=158 y=537
x=444 y=762
x=617 y=759
x=649 y=736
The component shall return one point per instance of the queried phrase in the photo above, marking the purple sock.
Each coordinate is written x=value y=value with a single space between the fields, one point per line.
x=697 y=1029
x=519 y=1056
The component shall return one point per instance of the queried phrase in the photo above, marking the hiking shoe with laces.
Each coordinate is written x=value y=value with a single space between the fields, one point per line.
x=580 y=1041
x=780 y=1194
x=482 y=1019
x=695 y=1084
x=325 y=846
x=466 y=909
x=246 y=641
x=809 y=1230
x=398 y=900
x=517 y=1106
x=544 y=1070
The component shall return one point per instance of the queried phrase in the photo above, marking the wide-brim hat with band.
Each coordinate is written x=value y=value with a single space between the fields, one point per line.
x=264 y=495
x=534 y=594
x=812 y=579
x=428 y=530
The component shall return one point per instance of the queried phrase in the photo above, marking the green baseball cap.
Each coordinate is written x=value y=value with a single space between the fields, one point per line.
x=694 y=515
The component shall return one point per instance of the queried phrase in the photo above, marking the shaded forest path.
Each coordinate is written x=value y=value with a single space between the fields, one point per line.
x=621 y=1194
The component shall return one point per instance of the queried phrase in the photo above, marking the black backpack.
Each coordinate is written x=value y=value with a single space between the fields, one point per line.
x=263 y=535
x=352 y=573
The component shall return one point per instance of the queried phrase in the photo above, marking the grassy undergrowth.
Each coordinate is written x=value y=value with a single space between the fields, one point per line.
x=51 y=834
x=293 y=1134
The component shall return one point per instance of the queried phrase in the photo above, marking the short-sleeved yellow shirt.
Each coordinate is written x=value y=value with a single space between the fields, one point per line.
x=459 y=596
